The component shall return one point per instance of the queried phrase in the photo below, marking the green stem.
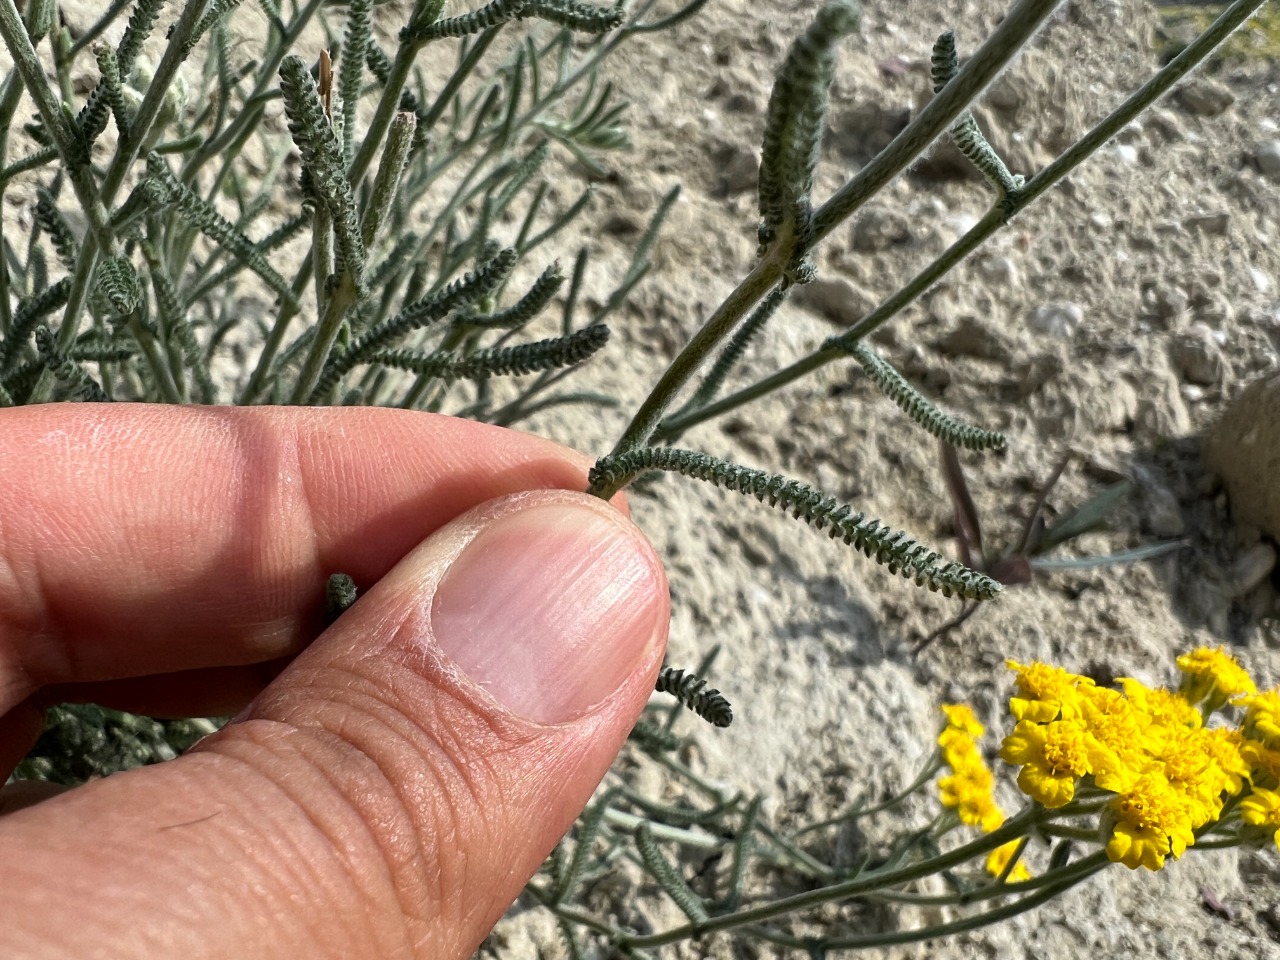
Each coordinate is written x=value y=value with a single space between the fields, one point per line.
x=1069 y=877
x=75 y=162
x=130 y=144
x=1017 y=27
x=9 y=99
x=1014 y=31
x=330 y=323
x=863 y=884
x=766 y=274
x=984 y=228
x=857 y=811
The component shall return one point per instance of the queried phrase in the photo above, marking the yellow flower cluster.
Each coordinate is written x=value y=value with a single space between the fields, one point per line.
x=1168 y=773
x=968 y=788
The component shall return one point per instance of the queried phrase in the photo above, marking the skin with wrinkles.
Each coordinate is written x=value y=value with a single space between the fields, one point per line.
x=374 y=800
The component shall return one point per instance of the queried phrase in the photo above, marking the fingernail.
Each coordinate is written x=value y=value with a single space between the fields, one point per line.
x=550 y=609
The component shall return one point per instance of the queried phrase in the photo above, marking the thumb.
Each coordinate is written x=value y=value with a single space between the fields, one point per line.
x=391 y=792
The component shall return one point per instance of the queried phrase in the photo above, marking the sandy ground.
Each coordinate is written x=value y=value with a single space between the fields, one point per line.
x=1161 y=256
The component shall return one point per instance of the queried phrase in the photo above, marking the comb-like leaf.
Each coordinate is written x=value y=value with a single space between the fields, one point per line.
x=899 y=552
x=526 y=308
x=355 y=46
x=490 y=15
x=692 y=691
x=322 y=159
x=163 y=189
x=966 y=133
x=118 y=282
x=668 y=877
x=502 y=361
x=73 y=378
x=460 y=293
x=795 y=122
x=911 y=402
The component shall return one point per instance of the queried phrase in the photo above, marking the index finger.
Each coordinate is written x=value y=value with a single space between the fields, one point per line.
x=139 y=539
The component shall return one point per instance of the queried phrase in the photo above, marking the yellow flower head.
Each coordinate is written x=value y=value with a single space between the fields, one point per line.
x=1262 y=717
x=1263 y=763
x=971 y=798
x=1166 y=708
x=968 y=790
x=960 y=716
x=1200 y=766
x=1151 y=823
x=1119 y=739
x=1261 y=808
x=1048 y=692
x=998 y=858
x=1212 y=677
x=1053 y=756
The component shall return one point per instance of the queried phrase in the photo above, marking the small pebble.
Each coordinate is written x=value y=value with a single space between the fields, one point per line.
x=878 y=228
x=1205 y=98
x=1267 y=156
x=1251 y=569
x=1058 y=320
x=836 y=300
x=1197 y=356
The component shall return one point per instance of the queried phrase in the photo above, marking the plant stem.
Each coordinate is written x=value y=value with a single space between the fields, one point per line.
x=865 y=883
x=995 y=218
x=335 y=309
x=1070 y=876
x=74 y=160
x=1014 y=31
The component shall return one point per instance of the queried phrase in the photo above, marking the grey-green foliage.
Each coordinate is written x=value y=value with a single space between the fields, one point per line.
x=794 y=124
x=944 y=65
x=911 y=402
x=894 y=549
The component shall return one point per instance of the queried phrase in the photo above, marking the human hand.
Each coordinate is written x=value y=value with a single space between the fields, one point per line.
x=388 y=793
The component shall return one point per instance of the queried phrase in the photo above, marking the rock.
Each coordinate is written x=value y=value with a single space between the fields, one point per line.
x=1212 y=224
x=1162 y=412
x=836 y=300
x=1244 y=449
x=1197 y=357
x=1251 y=569
x=1126 y=153
x=1000 y=270
x=1204 y=97
x=1167 y=302
x=879 y=228
x=1058 y=320
x=1267 y=156
x=1166 y=124
x=1162 y=514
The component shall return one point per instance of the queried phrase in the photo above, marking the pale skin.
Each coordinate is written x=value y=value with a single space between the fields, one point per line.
x=386 y=790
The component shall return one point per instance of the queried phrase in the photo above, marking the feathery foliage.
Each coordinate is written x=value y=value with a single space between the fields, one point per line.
x=322 y=160
x=692 y=691
x=894 y=549
x=944 y=65
x=911 y=402
x=74 y=380
x=796 y=121
x=668 y=877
